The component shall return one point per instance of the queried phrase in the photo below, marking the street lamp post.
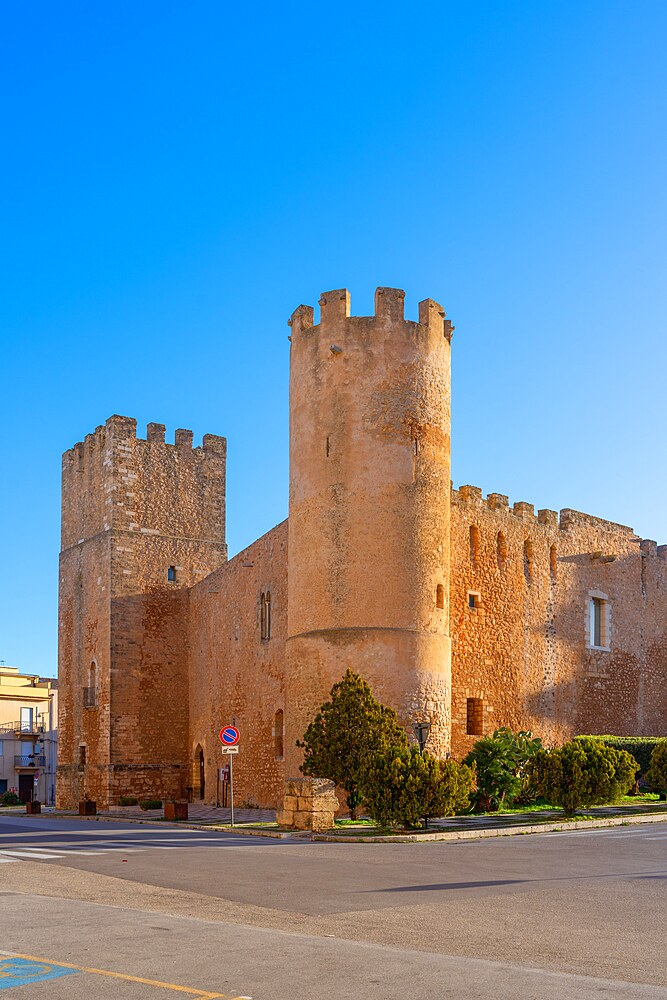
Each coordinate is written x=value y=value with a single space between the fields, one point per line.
x=421 y=731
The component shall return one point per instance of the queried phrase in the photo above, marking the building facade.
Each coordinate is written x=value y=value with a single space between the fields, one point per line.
x=457 y=608
x=28 y=735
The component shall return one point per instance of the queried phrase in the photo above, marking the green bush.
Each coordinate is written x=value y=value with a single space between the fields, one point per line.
x=501 y=761
x=127 y=800
x=10 y=799
x=151 y=804
x=584 y=772
x=656 y=776
x=345 y=730
x=641 y=747
x=402 y=786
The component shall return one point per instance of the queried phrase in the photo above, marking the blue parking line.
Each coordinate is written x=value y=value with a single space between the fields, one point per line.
x=21 y=972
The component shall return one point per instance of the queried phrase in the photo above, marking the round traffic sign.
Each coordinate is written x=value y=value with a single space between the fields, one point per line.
x=229 y=736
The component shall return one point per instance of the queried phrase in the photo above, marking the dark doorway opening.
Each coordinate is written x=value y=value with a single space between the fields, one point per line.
x=26 y=785
x=202 y=774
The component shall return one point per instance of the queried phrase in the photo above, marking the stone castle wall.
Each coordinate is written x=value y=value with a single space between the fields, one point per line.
x=388 y=569
x=237 y=676
x=132 y=509
x=524 y=650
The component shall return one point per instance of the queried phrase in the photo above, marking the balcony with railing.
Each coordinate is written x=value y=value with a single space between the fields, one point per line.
x=20 y=730
x=30 y=760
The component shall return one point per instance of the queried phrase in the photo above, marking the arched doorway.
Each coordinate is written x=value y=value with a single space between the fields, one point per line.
x=198 y=773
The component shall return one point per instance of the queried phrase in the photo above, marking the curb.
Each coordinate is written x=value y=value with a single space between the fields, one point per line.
x=508 y=831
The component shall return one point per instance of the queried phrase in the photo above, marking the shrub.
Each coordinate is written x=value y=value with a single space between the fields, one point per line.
x=343 y=733
x=151 y=804
x=641 y=747
x=401 y=786
x=10 y=799
x=584 y=772
x=656 y=776
x=501 y=761
x=127 y=800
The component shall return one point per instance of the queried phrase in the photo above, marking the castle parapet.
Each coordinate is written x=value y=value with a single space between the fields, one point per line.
x=389 y=308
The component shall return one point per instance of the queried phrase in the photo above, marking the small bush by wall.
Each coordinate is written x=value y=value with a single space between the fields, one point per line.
x=656 y=776
x=641 y=747
x=584 y=772
x=151 y=804
x=127 y=800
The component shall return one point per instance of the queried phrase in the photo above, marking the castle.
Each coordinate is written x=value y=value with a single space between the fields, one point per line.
x=457 y=609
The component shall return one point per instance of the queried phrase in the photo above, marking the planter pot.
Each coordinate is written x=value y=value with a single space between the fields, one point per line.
x=32 y=808
x=87 y=808
x=175 y=810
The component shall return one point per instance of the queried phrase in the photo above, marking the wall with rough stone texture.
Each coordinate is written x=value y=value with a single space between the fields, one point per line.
x=235 y=675
x=132 y=509
x=524 y=649
x=386 y=565
x=368 y=528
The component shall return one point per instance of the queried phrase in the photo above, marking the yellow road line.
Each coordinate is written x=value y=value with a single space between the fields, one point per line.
x=202 y=994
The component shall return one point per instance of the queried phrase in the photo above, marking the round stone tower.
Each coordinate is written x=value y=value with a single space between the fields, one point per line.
x=369 y=511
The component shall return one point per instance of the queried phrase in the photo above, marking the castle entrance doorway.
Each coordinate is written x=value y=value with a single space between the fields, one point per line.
x=198 y=780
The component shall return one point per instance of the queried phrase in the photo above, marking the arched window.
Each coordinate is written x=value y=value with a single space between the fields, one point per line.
x=501 y=551
x=474 y=544
x=528 y=560
x=265 y=616
x=440 y=596
x=278 y=729
x=553 y=563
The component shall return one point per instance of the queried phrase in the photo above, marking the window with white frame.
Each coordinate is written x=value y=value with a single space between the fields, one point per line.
x=598 y=621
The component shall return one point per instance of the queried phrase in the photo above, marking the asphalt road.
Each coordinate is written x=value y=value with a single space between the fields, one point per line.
x=577 y=914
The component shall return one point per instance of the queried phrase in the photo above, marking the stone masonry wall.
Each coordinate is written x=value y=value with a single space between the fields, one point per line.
x=523 y=649
x=237 y=675
x=135 y=513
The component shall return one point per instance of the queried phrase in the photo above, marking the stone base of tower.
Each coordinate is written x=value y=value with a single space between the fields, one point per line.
x=408 y=671
x=106 y=783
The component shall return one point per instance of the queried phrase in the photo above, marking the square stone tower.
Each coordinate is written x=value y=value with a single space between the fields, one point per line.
x=142 y=521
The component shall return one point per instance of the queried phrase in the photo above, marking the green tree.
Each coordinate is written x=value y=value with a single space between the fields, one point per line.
x=502 y=761
x=656 y=776
x=402 y=786
x=584 y=772
x=345 y=731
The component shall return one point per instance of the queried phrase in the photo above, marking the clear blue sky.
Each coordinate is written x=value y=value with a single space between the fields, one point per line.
x=176 y=178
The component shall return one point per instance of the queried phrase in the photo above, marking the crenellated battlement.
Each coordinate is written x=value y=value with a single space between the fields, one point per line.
x=121 y=429
x=473 y=498
x=389 y=308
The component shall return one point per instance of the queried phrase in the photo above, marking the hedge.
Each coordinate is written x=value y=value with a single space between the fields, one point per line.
x=641 y=747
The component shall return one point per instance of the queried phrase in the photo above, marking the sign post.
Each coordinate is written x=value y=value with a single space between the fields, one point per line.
x=229 y=737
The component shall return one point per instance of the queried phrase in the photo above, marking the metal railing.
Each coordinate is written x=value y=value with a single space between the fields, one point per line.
x=30 y=760
x=21 y=728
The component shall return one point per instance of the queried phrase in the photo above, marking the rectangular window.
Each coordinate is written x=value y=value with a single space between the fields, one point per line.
x=475 y=717
x=26 y=720
x=598 y=624
x=82 y=756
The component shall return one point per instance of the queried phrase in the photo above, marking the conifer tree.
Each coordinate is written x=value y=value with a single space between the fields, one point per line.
x=346 y=731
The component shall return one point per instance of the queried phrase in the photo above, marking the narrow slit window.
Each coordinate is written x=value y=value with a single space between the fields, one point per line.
x=265 y=616
x=328 y=446
x=501 y=552
x=278 y=738
x=171 y=574
x=440 y=596
x=475 y=717
x=528 y=560
x=474 y=544
x=553 y=561
x=82 y=756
